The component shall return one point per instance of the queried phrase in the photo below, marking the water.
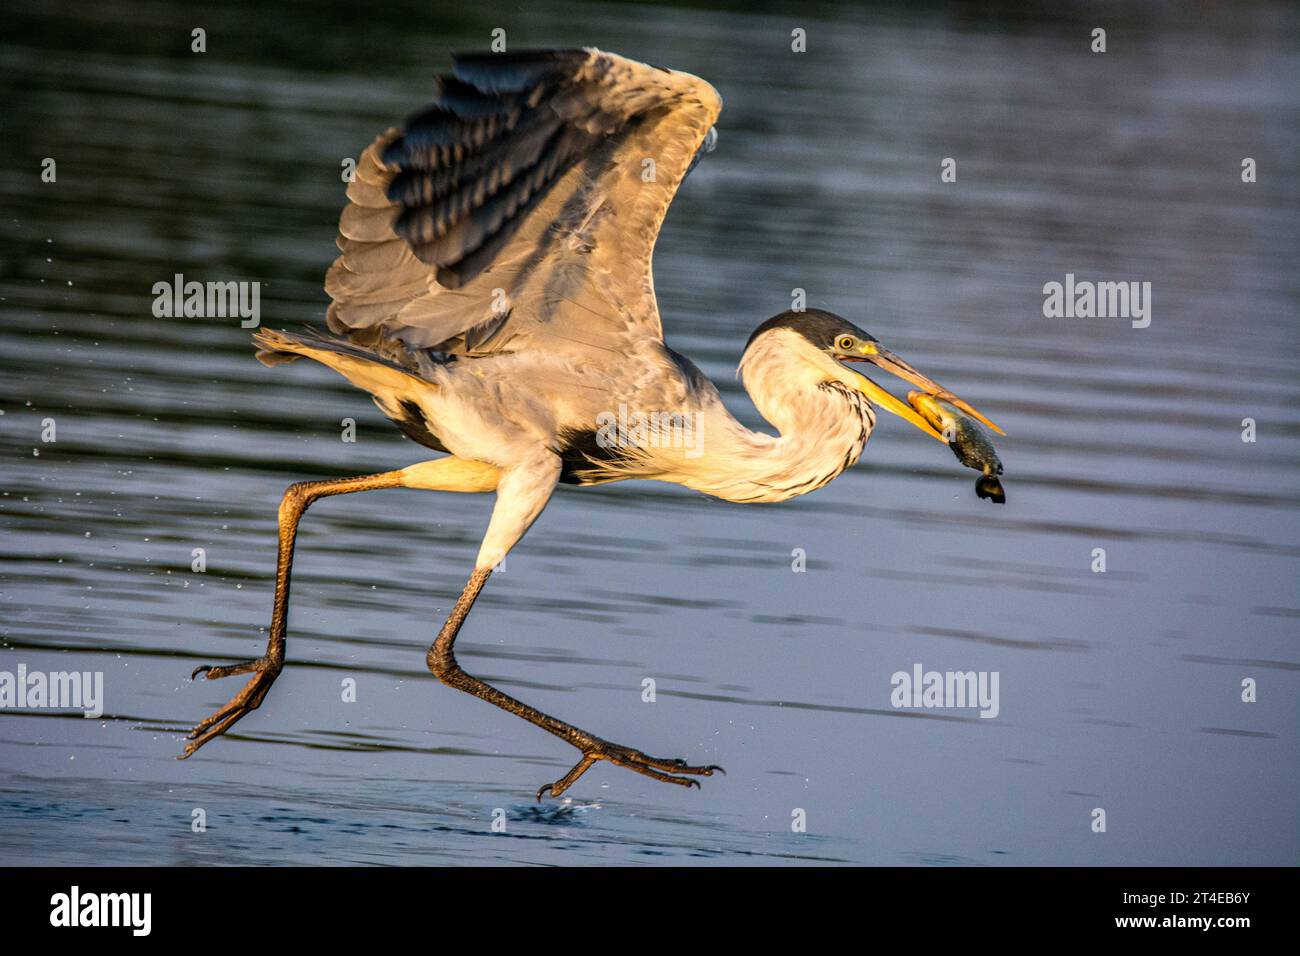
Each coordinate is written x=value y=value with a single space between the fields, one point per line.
x=1119 y=690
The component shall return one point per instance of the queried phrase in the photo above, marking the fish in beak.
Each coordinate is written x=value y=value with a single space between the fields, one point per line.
x=882 y=358
x=968 y=442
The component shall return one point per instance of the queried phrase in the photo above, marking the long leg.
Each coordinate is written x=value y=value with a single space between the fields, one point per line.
x=442 y=661
x=521 y=495
x=443 y=474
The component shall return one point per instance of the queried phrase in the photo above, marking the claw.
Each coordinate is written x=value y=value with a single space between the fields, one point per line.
x=239 y=706
x=652 y=767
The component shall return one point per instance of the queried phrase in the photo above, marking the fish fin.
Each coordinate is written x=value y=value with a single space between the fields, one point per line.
x=986 y=486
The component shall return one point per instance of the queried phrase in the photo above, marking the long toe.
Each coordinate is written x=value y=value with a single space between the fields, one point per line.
x=218 y=671
x=678 y=765
x=628 y=757
x=665 y=770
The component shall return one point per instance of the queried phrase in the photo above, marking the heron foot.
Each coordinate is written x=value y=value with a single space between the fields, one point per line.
x=658 y=768
x=264 y=669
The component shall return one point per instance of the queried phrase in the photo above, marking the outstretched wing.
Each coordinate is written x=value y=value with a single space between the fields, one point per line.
x=521 y=209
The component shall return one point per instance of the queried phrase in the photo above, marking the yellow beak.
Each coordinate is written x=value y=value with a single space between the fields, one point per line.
x=873 y=353
x=883 y=399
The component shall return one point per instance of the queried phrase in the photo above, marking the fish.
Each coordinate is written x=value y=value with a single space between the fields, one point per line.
x=968 y=441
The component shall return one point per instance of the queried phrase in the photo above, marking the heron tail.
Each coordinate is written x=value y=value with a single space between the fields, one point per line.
x=364 y=369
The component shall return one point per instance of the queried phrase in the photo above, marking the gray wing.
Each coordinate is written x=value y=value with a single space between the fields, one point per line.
x=521 y=209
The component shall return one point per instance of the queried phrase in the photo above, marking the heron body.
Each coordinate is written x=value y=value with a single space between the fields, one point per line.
x=495 y=297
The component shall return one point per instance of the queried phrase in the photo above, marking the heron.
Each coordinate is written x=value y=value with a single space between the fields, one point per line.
x=494 y=295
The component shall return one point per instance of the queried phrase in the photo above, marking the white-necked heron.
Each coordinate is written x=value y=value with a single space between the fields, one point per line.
x=494 y=296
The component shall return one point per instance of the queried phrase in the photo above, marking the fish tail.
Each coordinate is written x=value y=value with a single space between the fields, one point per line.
x=988 y=486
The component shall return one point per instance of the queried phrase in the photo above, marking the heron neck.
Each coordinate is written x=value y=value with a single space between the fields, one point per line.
x=822 y=425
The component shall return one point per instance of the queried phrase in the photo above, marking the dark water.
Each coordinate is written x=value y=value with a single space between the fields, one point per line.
x=1119 y=690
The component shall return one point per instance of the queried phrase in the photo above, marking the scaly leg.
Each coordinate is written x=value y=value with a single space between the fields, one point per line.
x=442 y=474
x=442 y=661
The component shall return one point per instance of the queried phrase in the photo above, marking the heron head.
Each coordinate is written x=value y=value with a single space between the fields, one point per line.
x=828 y=340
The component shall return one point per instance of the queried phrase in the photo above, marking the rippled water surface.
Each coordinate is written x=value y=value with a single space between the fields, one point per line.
x=1118 y=690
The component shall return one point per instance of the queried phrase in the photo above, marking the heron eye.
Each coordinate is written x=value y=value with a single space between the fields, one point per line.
x=844 y=344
